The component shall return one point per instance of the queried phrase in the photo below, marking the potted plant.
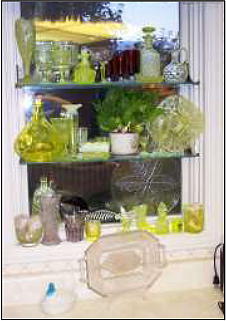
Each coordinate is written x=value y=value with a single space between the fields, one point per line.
x=124 y=114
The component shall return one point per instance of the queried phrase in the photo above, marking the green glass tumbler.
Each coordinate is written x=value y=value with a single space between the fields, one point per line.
x=193 y=218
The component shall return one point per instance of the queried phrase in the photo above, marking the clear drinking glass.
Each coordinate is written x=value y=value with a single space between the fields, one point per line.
x=82 y=136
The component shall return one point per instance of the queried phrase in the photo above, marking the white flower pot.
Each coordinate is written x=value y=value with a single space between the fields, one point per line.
x=124 y=144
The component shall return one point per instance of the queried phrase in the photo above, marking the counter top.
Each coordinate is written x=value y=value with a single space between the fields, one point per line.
x=192 y=304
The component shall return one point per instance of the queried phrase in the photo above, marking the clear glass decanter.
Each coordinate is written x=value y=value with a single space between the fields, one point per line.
x=149 y=58
x=39 y=141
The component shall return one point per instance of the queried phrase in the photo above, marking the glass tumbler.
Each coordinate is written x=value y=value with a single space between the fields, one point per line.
x=92 y=230
x=74 y=227
x=63 y=127
x=28 y=230
x=193 y=217
x=81 y=136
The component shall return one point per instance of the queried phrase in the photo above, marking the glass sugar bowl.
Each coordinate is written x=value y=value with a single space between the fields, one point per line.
x=28 y=230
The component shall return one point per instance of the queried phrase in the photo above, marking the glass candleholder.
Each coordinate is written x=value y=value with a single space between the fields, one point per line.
x=193 y=217
x=92 y=230
x=176 y=225
x=141 y=215
x=74 y=227
x=28 y=230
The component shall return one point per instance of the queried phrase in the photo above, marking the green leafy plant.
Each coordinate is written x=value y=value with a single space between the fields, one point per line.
x=126 y=111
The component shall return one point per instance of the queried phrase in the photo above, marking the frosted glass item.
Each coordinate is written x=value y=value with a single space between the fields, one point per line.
x=38 y=141
x=49 y=215
x=92 y=230
x=149 y=58
x=193 y=217
x=123 y=262
x=28 y=230
x=176 y=71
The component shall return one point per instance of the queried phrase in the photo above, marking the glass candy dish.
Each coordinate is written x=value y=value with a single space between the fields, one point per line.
x=123 y=262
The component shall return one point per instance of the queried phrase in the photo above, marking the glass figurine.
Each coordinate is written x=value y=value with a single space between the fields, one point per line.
x=39 y=141
x=83 y=72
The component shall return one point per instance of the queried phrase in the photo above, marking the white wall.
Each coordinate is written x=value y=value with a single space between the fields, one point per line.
x=14 y=175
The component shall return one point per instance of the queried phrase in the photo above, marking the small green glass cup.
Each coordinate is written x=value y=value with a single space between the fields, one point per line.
x=92 y=230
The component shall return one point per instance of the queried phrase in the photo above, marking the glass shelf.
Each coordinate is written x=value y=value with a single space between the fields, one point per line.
x=70 y=85
x=140 y=157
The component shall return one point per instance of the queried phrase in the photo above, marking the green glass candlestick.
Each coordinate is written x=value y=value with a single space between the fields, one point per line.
x=162 y=224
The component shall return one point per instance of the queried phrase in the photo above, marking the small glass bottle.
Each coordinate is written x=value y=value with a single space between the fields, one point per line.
x=149 y=58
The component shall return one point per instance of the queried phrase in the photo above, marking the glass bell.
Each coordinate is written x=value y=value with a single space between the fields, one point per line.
x=39 y=141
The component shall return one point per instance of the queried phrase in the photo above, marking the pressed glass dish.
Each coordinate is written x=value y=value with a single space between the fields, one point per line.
x=124 y=261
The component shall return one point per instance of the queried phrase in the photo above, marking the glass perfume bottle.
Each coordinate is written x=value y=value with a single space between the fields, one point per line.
x=149 y=58
x=39 y=141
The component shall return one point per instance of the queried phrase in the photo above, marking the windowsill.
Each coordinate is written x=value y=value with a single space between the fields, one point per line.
x=66 y=255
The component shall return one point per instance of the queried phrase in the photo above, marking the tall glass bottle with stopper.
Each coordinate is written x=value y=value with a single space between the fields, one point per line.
x=39 y=141
x=149 y=59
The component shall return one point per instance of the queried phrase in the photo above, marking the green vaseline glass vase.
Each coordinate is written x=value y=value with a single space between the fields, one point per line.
x=39 y=141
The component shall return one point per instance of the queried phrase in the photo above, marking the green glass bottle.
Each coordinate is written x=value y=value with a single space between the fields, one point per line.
x=39 y=141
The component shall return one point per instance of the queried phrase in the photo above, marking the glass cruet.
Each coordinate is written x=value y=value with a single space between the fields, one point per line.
x=39 y=141
x=149 y=58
